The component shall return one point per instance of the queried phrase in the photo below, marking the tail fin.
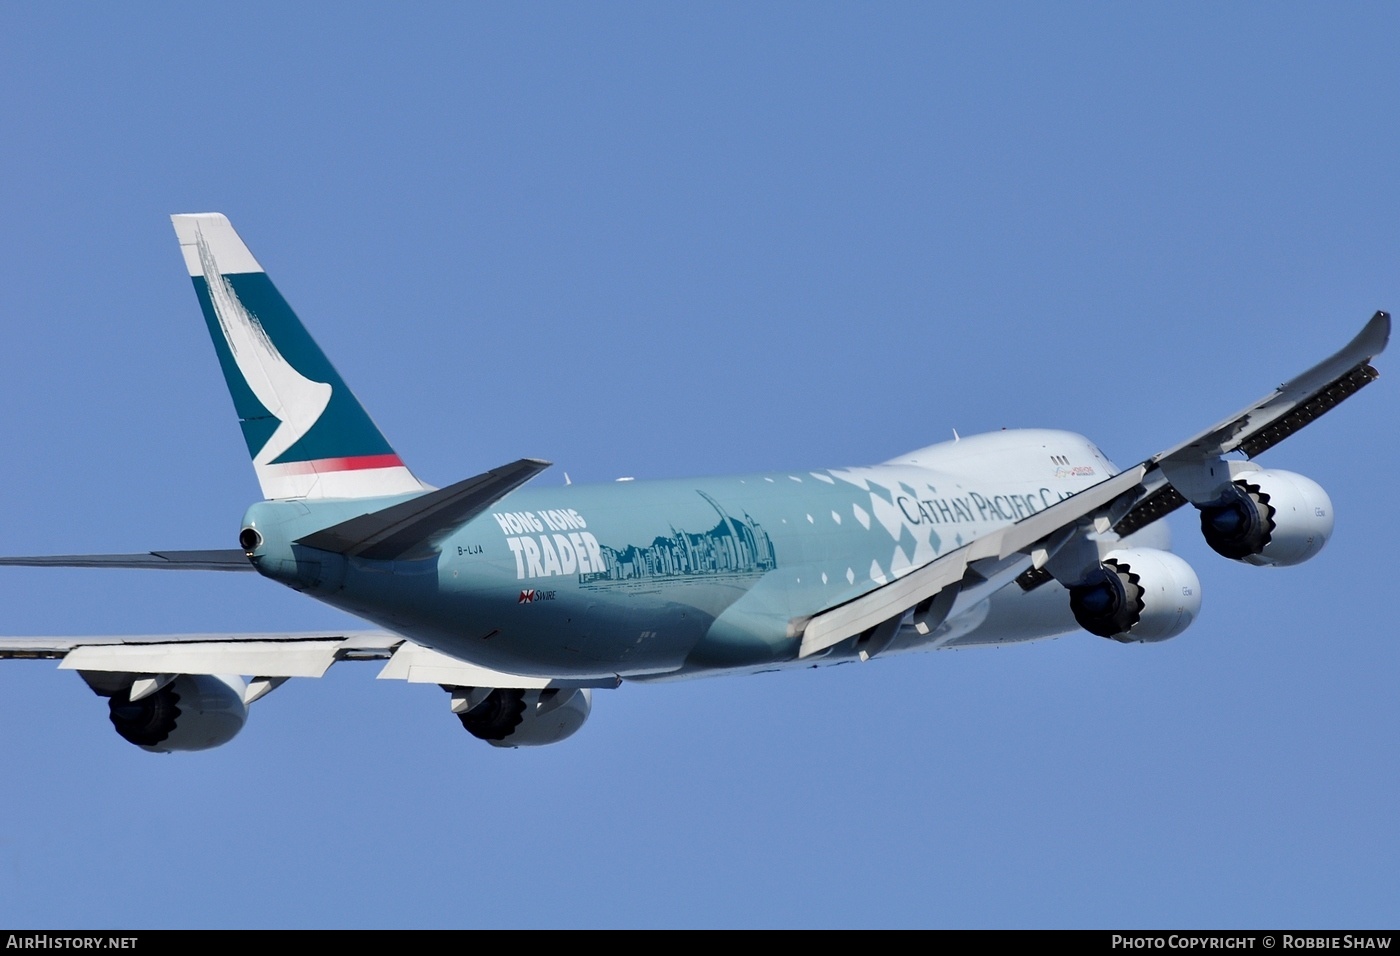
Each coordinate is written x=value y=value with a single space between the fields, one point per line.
x=308 y=434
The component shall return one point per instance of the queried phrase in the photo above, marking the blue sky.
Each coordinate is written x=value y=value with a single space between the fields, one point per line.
x=663 y=240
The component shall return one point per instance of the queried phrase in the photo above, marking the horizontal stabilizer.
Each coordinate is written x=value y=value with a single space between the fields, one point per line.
x=233 y=559
x=414 y=528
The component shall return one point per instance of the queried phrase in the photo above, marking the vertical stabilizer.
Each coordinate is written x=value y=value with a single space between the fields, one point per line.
x=307 y=433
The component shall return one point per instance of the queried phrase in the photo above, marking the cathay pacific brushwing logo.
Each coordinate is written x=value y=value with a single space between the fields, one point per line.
x=292 y=398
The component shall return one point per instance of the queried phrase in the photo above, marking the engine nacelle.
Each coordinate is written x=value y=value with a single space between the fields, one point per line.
x=189 y=713
x=1269 y=518
x=523 y=718
x=1138 y=594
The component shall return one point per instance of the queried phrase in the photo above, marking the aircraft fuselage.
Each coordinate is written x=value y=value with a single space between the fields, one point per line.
x=677 y=577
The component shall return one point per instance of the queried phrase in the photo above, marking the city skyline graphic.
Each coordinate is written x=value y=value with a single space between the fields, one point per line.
x=733 y=546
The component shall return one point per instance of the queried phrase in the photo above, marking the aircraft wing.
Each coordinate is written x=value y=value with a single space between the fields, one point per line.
x=269 y=658
x=1123 y=503
x=1260 y=426
x=1295 y=403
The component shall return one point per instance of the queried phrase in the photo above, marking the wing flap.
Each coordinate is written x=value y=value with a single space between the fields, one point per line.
x=423 y=665
x=261 y=658
x=833 y=626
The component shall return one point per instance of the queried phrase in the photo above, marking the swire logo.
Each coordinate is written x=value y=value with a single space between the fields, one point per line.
x=535 y=595
x=294 y=400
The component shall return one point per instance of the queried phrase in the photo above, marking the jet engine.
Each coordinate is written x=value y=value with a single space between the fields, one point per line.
x=1137 y=594
x=506 y=717
x=1269 y=518
x=188 y=713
